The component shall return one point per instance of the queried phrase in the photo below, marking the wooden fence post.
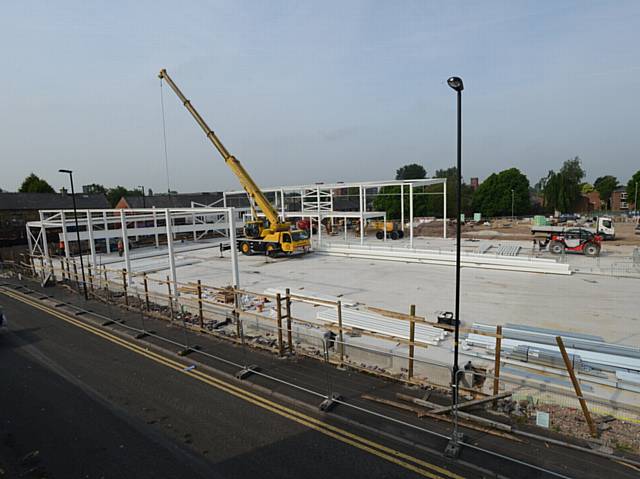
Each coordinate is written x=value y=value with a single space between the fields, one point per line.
x=496 y=367
x=287 y=305
x=340 y=335
x=412 y=339
x=146 y=290
x=90 y=276
x=63 y=276
x=200 y=313
x=279 y=319
x=576 y=387
x=124 y=286
x=75 y=274
x=170 y=298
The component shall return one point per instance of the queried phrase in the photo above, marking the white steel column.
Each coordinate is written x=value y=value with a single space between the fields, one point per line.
x=193 y=224
x=43 y=234
x=92 y=244
x=319 y=229
x=65 y=237
x=361 y=228
x=106 y=228
x=360 y=197
x=30 y=243
x=282 y=203
x=411 y=215
x=402 y=207
x=172 y=260
x=444 y=216
x=384 y=221
x=224 y=199
x=125 y=244
x=364 y=199
x=231 y=220
x=345 y=229
x=155 y=227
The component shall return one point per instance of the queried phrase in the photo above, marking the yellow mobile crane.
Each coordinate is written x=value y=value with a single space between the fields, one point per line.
x=269 y=237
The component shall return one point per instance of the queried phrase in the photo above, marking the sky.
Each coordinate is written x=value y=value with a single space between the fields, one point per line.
x=308 y=91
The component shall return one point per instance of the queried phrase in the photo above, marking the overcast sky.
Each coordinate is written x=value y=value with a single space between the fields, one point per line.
x=306 y=91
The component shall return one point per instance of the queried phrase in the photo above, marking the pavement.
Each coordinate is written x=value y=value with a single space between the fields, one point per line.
x=99 y=393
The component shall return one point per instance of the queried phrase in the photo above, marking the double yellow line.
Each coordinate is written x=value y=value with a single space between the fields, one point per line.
x=401 y=459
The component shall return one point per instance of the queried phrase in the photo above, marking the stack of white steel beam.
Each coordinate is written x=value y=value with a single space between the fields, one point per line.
x=447 y=258
x=375 y=323
x=592 y=351
x=311 y=295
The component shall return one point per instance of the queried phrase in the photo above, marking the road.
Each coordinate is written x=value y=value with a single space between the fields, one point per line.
x=80 y=402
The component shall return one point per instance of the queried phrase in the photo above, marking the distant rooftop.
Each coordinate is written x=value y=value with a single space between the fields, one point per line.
x=179 y=200
x=42 y=201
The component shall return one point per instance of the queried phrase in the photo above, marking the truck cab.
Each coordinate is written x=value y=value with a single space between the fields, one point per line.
x=604 y=227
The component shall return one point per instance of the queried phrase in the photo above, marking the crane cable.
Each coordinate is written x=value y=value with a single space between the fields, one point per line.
x=164 y=136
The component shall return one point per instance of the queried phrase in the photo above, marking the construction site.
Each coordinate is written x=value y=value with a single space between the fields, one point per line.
x=548 y=329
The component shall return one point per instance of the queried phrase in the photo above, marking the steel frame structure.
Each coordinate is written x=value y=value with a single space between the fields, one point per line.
x=318 y=199
x=95 y=225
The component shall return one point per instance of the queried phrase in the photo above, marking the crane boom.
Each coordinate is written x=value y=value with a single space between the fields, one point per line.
x=246 y=181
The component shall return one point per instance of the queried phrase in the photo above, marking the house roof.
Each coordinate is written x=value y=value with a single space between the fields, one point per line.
x=180 y=200
x=51 y=201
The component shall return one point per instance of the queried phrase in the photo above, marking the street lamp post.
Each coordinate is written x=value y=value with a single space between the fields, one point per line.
x=75 y=215
x=457 y=85
x=512 y=203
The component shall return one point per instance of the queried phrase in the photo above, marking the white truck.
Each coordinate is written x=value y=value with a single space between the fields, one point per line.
x=603 y=227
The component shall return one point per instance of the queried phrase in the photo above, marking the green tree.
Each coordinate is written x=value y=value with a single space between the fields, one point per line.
x=34 y=184
x=411 y=172
x=562 y=190
x=94 y=188
x=495 y=194
x=605 y=186
x=114 y=194
x=633 y=189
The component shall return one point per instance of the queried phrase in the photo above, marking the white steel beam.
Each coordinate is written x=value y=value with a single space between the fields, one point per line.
x=125 y=245
x=92 y=243
x=231 y=220
x=444 y=216
x=172 y=260
x=65 y=237
x=411 y=215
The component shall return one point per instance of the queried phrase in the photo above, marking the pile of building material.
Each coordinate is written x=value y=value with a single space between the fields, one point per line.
x=375 y=323
x=448 y=258
x=539 y=345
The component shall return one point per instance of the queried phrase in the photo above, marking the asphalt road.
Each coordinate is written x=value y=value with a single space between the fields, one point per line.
x=75 y=404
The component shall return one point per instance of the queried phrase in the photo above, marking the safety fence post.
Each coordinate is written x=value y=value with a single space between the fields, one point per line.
x=279 y=320
x=146 y=290
x=200 y=313
x=63 y=276
x=75 y=274
x=576 y=386
x=170 y=299
x=412 y=338
x=90 y=277
x=287 y=304
x=340 y=335
x=496 y=367
x=124 y=286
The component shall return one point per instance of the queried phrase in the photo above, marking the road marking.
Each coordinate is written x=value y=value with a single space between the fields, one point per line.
x=384 y=452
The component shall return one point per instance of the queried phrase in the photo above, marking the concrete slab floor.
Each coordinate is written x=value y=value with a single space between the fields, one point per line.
x=600 y=305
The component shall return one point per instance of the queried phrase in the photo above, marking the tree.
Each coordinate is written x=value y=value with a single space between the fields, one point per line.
x=605 y=186
x=563 y=189
x=94 y=188
x=34 y=184
x=411 y=172
x=633 y=189
x=114 y=194
x=494 y=195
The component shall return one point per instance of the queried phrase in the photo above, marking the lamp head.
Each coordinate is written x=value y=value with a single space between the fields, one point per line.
x=65 y=171
x=456 y=83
